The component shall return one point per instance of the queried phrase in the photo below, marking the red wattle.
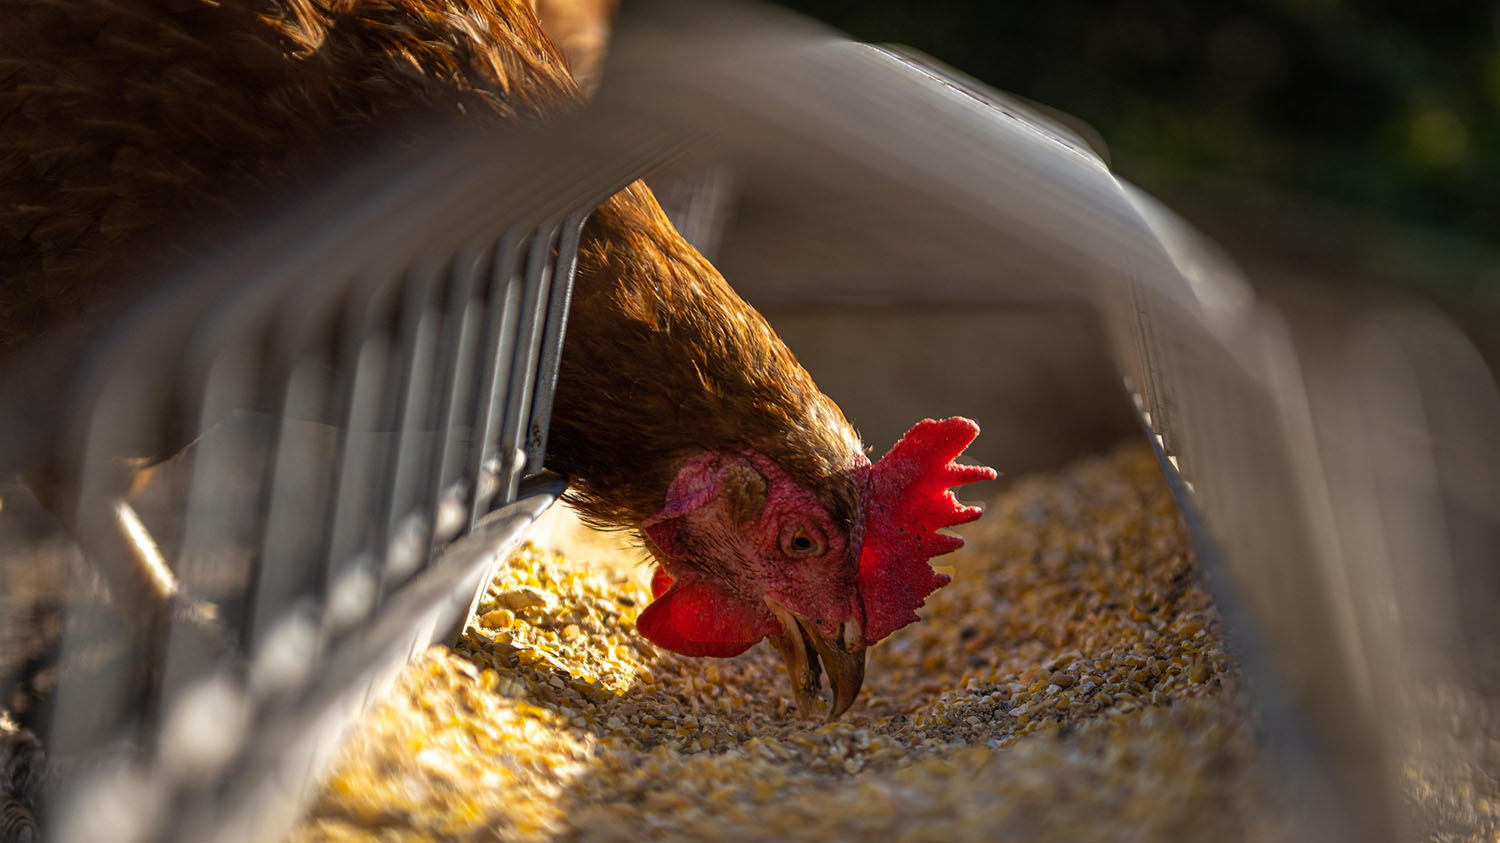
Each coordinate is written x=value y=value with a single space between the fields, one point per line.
x=696 y=619
x=660 y=582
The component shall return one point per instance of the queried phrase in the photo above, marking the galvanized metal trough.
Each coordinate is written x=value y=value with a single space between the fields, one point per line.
x=371 y=374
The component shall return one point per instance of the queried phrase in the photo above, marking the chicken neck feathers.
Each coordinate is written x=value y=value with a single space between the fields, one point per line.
x=663 y=360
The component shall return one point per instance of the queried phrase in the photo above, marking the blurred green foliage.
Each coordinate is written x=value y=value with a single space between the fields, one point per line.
x=1392 y=107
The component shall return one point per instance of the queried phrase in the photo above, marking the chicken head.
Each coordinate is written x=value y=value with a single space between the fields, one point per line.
x=746 y=552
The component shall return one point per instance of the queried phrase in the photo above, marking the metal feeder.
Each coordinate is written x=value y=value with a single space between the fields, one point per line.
x=1340 y=476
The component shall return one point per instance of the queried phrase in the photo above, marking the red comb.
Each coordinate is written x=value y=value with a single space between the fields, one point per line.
x=907 y=500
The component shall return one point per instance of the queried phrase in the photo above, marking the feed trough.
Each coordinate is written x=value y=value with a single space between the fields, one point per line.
x=372 y=398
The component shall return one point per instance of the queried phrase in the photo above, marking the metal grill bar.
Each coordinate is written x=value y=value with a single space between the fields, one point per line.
x=528 y=348
x=505 y=291
x=1350 y=527
x=353 y=431
x=549 y=354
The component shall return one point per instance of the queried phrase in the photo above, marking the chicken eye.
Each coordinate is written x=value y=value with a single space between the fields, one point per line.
x=802 y=541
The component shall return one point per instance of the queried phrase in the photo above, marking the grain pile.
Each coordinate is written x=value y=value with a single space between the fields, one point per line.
x=1071 y=684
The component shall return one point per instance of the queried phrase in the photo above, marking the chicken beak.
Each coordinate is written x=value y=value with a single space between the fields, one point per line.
x=802 y=646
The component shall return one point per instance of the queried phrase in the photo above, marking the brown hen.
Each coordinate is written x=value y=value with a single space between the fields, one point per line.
x=678 y=414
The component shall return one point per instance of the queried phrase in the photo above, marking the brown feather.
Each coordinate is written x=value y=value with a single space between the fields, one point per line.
x=122 y=119
x=664 y=360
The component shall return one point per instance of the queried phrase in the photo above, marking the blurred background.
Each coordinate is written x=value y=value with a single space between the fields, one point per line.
x=1318 y=141
x=1344 y=157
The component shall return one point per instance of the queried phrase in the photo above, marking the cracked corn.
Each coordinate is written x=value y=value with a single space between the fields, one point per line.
x=1071 y=684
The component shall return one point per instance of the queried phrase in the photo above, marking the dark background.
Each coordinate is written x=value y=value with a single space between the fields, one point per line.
x=1323 y=140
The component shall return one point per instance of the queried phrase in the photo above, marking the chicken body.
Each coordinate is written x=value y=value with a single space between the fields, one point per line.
x=678 y=413
x=124 y=123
